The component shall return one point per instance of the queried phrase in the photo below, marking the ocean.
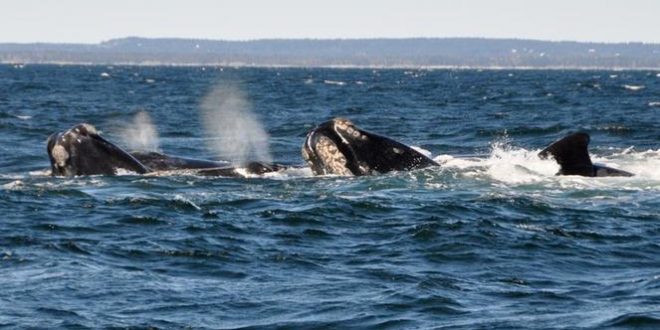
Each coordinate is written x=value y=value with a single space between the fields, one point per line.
x=491 y=239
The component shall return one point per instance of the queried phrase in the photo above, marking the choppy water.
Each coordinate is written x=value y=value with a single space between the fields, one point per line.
x=492 y=239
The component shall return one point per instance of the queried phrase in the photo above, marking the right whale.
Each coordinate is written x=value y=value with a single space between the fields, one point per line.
x=572 y=155
x=82 y=150
x=339 y=147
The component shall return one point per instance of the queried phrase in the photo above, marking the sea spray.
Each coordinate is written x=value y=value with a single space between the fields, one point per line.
x=141 y=133
x=234 y=131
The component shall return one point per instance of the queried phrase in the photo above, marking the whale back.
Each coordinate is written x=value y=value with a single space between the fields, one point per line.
x=157 y=161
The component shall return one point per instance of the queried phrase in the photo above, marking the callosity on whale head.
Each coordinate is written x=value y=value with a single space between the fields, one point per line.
x=339 y=147
x=572 y=155
x=82 y=151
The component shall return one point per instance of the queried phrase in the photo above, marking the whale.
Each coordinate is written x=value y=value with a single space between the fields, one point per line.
x=81 y=150
x=572 y=154
x=339 y=147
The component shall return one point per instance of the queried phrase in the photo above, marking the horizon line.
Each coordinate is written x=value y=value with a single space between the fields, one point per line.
x=330 y=39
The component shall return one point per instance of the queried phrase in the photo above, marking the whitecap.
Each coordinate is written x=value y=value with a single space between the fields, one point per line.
x=634 y=87
x=180 y=198
x=334 y=82
x=290 y=173
x=461 y=163
x=105 y=75
x=654 y=104
x=123 y=171
x=44 y=172
x=14 y=185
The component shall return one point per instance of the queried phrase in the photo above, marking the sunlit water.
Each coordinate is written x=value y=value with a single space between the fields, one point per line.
x=491 y=239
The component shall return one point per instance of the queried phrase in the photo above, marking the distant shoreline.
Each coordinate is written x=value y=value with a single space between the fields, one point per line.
x=411 y=53
x=336 y=67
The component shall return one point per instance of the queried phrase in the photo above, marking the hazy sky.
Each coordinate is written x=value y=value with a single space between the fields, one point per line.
x=91 y=21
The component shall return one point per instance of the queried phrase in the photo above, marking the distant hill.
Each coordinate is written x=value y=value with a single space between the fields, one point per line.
x=415 y=52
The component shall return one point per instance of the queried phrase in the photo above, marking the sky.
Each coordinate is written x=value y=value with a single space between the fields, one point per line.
x=93 y=21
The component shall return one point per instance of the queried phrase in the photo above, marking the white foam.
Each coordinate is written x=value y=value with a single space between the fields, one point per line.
x=644 y=164
x=123 y=171
x=183 y=199
x=654 y=104
x=285 y=174
x=634 y=87
x=105 y=75
x=39 y=173
x=461 y=163
x=290 y=173
x=244 y=172
x=512 y=166
x=517 y=166
x=91 y=181
x=334 y=82
x=14 y=185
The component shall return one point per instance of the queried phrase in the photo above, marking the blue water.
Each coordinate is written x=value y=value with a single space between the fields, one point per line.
x=491 y=239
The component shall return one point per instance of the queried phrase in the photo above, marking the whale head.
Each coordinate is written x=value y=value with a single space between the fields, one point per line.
x=82 y=151
x=339 y=147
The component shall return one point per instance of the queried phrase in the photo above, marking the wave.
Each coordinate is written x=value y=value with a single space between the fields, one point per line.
x=4 y=115
x=334 y=82
x=634 y=87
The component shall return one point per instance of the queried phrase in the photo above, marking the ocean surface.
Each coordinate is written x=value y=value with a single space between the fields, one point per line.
x=492 y=239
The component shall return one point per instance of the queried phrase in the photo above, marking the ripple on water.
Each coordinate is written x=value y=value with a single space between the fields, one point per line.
x=490 y=239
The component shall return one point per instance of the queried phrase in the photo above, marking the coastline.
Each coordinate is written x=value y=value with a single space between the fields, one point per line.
x=330 y=66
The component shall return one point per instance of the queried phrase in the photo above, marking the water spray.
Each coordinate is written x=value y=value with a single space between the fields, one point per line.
x=233 y=130
x=141 y=134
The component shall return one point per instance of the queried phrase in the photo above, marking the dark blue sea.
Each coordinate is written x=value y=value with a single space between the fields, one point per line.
x=492 y=239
